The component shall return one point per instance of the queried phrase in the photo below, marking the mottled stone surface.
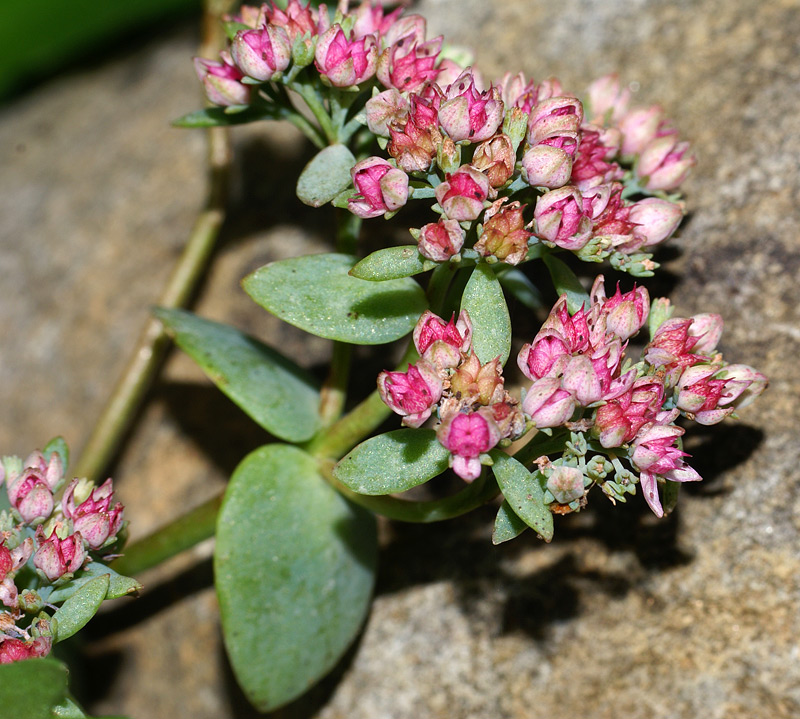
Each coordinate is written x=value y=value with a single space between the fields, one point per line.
x=622 y=615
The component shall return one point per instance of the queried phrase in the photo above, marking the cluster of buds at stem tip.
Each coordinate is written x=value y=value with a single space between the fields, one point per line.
x=475 y=412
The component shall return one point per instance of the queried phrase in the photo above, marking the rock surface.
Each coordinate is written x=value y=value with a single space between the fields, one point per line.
x=622 y=615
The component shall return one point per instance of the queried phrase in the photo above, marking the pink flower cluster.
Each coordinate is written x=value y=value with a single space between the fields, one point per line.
x=53 y=538
x=474 y=410
x=577 y=363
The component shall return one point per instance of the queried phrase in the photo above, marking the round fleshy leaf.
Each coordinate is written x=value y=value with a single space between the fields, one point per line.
x=274 y=391
x=326 y=175
x=524 y=493
x=76 y=611
x=390 y=263
x=294 y=567
x=491 y=324
x=33 y=688
x=316 y=294
x=393 y=462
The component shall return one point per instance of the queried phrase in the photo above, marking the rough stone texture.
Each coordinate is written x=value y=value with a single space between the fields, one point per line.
x=621 y=616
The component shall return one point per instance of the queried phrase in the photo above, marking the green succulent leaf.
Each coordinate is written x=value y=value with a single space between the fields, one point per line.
x=517 y=283
x=393 y=462
x=59 y=446
x=271 y=389
x=294 y=568
x=491 y=324
x=316 y=294
x=524 y=493
x=118 y=585
x=31 y=689
x=80 y=607
x=566 y=282
x=326 y=175
x=507 y=525
x=390 y=263
x=218 y=117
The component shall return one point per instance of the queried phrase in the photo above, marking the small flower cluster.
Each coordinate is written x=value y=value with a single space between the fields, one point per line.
x=474 y=410
x=44 y=544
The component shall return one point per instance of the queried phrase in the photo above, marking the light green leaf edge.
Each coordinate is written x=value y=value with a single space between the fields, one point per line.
x=507 y=525
x=316 y=294
x=326 y=175
x=390 y=263
x=491 y=324
x=76 y=611
x=271 y=389
x=393 y=462
x=523 y=492
x=294 y=570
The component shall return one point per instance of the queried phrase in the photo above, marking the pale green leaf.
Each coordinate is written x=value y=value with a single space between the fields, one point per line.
x=32 y=688
x=271 y=389
x=326 y=175
x=566 y=282
x=74 y=613
x=507 y=525
x=118 y=585
x=316 y=294
x=294 y=568
x=390 y=263
x=491 y=325
x=524 y=493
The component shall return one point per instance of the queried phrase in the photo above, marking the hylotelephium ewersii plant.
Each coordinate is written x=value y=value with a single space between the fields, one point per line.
x=524 y=180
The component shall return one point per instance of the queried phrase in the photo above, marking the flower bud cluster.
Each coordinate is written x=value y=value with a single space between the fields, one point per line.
x=581 y=379
x=45 y=542
x=475 y=412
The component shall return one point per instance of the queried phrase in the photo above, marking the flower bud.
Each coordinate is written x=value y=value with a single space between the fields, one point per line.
x=504 y=235
x=474 y=383
x=546 y=166
x=407 y=64
x=462 y=194
x=607 y=100
x=495 y=158
x=665 y=163
x=384 y=109
x=439 y=241
x=467 y=114
x=706 y=329
x=56 y=556
x=544 y=356
x=559 y=218
x=30 y=495
x=466 y=436
x=345 y=62
x=381 y=188
x=222 y=81
x=565 y=484
x=639 y=127
x=547 y=404
x=411 y=394
x=261 y=53
x=443 y=344
x=742 y=385
x=95 y=518
x=657 y=219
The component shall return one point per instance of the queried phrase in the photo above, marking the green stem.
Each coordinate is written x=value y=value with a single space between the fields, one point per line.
x=541 y=445
x=438 y=285
x=315 y=104
x=334 y=391
x=181 y=534
x=474 y=495
x=311 y=132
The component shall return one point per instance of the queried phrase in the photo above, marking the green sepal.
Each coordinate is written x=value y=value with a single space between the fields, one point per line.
x=317 y=294
x=294 y=568
x=566 y=282
x=390 y=263
x=232 y=27
x=326 y=176
x=393 y=462
x=76 y=611
x=491 y=324
x=507 y=525
x=271 y=389
x=524 y=493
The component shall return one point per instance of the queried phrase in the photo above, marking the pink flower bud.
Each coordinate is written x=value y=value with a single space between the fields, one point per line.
x=624 y=314
x=565 y=484
x=384 y=109
x=369 y=19
x=742 y=385
x=593 y=164
x=699 y=394
x=504 y=235
x=96 y=520
x=573 y=328
x=466 y=437
x=556 y=122
x=439 y=241
x=405 y=26
x=56 y=556
x=607 y=100
x=706 y=329
x=548 y=404
x=546 y=166
x=474 y=383
x=665 y=163
x=614 y=225
x=496 y=159
x=414 y=146
x=411 y=394
x=408 y=65
x=14 y=650
x=516 y=91
x=559 y=218
x=540 y=358
x=381 y=188
x=31 y=496
x=672 y=345
x=467 y=114
x=639 y=127
x=431 y=328
x=657 y=219
x=345 y=62
x=261 y=53
x=222 y=81
x=654 y=451
x=297 y=20
x=462 y=194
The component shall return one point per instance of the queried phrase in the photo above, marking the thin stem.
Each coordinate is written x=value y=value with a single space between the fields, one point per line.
x=143 y=365
x=474 y=495
x=311 y=132
x=183 y=533
x=314 y=102
x=334 y=391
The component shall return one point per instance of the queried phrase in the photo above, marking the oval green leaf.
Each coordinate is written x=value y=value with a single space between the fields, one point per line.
x=118 y=585
x=393 y=462
x=491 y=324
x=294 y=567
x=507 y=525
x=271 y=389
x=326 y=175
x=74 y=613
x=523 y=492
x=390 y=263
x=316 y=294
x=566 y=282
x=31 y=689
